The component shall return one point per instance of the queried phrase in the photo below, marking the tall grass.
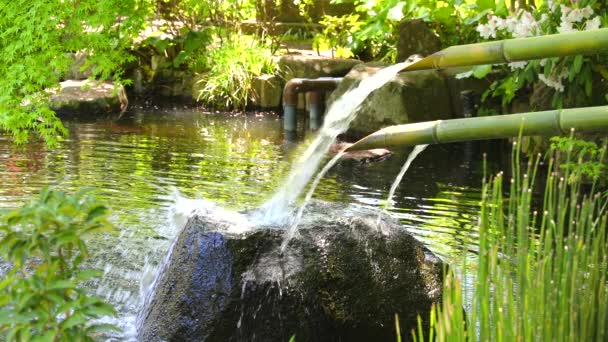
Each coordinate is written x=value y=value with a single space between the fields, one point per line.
x=541 y=274
x=232 y=67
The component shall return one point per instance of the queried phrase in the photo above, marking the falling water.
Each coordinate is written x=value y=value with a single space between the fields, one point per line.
x=339 y=116
x=415 y=152
x=291 y=232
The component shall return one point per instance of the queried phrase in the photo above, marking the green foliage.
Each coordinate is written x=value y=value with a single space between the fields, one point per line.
x=228 y=83
x=35 y=38
x=222 y=16
x=541 y=274
x=571 y=81
x=182 y=48
x=40 y=297
x=371 y=31
x=588 y=152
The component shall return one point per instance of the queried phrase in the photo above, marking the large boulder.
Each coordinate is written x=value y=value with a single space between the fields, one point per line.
x=415 y=38
x=409 y=97
x=84 y=97
x=343 y=278
x=307 y=66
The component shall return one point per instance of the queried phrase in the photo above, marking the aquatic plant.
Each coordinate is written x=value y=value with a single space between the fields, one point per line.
x=541 y=273
x=228 y=83
x=41 y=296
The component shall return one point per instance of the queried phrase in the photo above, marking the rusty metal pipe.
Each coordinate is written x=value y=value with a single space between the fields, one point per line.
x=296 y=86
x=302 y=85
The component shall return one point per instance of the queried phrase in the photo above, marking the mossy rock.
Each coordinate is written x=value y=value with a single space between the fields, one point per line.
x=85 y=98
x=343 y=279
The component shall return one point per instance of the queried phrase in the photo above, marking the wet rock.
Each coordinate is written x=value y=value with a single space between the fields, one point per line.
x=306 y=66
x=415 y=38
x=342 y=279
x=409 y=97
x=267 y=91
x=372 y=155
x=83 y=97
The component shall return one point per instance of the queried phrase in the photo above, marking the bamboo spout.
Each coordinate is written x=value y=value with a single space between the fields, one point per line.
x=513 y=50
x=553 y=122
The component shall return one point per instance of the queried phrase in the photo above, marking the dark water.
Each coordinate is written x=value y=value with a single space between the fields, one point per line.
x=135 y=164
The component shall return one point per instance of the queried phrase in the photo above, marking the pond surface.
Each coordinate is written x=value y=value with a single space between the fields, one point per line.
x=142 y=162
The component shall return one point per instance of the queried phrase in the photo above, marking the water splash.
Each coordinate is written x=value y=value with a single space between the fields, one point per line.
x=182 y=209
x=293 y=229
x=415 y=152
x=338 y=118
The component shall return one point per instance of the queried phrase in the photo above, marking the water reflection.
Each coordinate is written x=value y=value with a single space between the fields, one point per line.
x=134 y=164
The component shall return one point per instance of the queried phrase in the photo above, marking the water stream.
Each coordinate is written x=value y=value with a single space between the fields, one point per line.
x=389 y=199
x=293 y=228
x=337 y=119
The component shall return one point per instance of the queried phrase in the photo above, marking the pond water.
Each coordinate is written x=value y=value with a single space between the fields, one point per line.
x=150 y=166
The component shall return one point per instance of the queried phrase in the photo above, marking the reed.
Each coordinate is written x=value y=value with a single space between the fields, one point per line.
x=540 y=274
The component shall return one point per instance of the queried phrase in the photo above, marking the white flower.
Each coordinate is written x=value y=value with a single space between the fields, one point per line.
x=511 y=23
x=497 y=23
x=552 y=82
x=486 y=31
x=587 y=12
x=575 y=16
x=517 y=65
x=565 y=10
x=593 y=24
x=565 y=27
x=526 y=26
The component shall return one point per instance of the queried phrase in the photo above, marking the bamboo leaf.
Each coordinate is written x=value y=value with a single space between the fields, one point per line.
x=481 y=71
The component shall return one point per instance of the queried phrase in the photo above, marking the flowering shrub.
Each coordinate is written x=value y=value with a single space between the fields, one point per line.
x=571 y=78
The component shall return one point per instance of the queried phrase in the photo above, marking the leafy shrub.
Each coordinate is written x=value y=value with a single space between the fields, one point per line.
x=228 y=83
x=40 y=297
x=371 y=31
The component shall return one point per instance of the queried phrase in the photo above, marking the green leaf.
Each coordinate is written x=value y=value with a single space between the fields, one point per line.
x=96 y=212
x=444 y=14
x=48 y=336
x=61 y=285
x=481 y=71
x=87 y=274
x=99 y=310
x=501 y=8
x=486 y=4
x=578 y=63
x=97 y=328
x=74 y=320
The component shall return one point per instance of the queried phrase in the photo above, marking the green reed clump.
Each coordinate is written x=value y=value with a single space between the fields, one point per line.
x=541 y=274
x=232 y=67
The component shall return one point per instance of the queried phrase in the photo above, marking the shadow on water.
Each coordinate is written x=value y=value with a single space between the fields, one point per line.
x=236 y=161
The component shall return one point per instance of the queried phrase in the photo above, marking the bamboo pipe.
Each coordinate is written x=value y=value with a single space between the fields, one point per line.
x=552 y=122
x=514 y=50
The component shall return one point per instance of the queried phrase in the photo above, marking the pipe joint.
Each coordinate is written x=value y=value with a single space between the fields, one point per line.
x=302 y=85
